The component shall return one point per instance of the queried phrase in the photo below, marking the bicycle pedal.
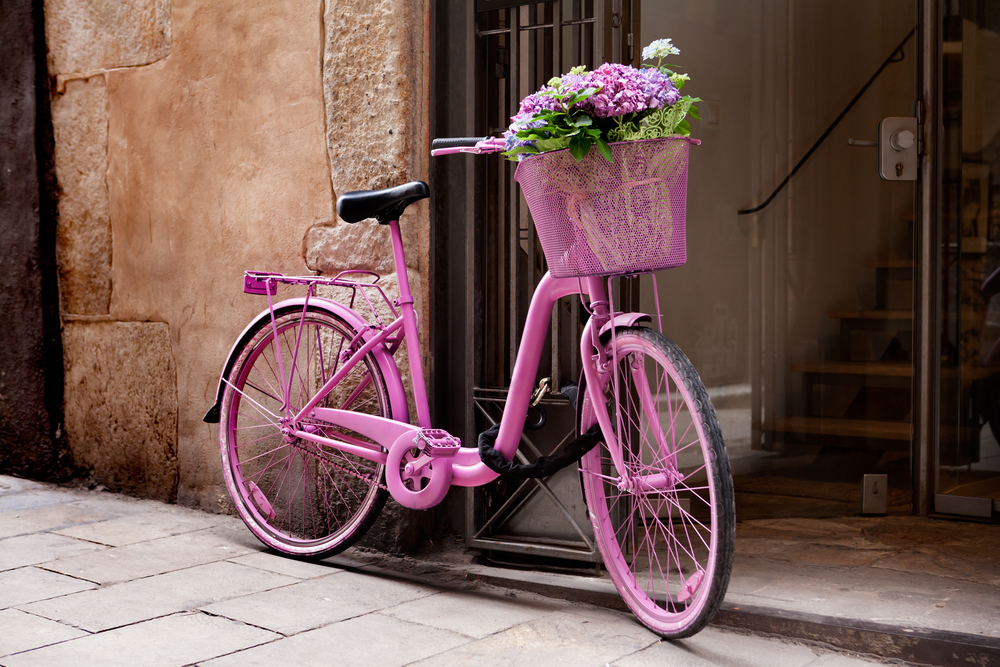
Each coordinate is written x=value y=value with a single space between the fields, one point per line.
x=437 y=443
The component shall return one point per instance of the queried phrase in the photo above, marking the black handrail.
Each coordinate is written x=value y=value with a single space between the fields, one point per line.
x=891 y=59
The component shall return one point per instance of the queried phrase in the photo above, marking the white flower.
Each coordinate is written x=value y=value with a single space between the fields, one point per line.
x=679 y=79
x=661 y=48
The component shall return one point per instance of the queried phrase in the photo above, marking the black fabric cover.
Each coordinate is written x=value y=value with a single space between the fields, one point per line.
x=543 y=466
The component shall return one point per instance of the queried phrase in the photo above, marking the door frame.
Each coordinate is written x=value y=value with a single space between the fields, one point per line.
x=927 y=371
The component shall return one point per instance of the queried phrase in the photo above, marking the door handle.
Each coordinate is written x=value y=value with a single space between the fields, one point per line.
x=897 y=149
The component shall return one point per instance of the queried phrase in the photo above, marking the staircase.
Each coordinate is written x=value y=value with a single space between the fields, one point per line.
x=864 y=399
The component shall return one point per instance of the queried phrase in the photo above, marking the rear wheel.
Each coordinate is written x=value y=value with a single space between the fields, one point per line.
x=297 y=496
x=666 y=532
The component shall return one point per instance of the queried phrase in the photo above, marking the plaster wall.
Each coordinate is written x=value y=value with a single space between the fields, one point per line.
x=195 y=141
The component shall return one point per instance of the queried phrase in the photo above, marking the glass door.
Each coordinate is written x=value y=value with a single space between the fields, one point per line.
x=968 y=474
x=798 y=311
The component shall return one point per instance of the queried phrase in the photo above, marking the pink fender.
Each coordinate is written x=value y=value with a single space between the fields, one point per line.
x=386 y=363
x=624 y=320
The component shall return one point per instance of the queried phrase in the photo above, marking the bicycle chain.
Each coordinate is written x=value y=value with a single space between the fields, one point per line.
x=336 y=465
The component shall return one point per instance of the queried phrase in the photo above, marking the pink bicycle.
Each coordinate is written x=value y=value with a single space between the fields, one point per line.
x=315 y=432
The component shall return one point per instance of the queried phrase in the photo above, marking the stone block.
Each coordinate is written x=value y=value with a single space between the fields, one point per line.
x=274 y=562
x=590 y=637
x=160 y=595
x=374 y=80
x=134 y=528
x=83 y=235
x=40 y=548
x=30 y=584
x=365 y=245
x=172 y=641
x=330 y=599
x=372 y=639
x=67 y=515
x=23 y=632
x=121 y=405
x=83 y=35
x=479 y=613
x=166 y=554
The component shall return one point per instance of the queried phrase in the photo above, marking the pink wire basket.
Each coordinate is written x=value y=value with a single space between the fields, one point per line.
x=599 y=218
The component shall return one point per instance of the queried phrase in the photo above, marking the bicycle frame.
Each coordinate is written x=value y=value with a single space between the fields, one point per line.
x=467 y=468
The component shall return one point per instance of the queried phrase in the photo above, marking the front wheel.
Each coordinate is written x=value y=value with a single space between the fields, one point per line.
x=666 y=528
x=297 y=496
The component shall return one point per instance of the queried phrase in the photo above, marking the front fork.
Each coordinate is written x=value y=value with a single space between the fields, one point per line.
x=596 y=366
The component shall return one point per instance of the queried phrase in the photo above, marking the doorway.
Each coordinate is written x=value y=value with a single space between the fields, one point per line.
x=797 y=302
x=968 y=462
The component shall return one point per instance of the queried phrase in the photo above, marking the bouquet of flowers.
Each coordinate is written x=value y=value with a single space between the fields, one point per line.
x=612 y=103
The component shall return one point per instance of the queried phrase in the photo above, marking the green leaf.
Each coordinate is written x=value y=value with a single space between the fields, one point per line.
x=693 y=112
x=605 y=149
x=683 y=128
x=546 y=145
x=579 y=147
x=521 y=149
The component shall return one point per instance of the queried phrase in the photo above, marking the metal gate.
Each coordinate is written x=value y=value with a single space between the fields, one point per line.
x=519 y=47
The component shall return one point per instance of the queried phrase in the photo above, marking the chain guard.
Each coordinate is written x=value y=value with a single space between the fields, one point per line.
x=419 y=489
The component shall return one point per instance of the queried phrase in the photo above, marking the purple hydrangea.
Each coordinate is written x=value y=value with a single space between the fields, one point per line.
x=510 y=136
x=662 y=91
x=617 y=90
x=621 y=90
x=625 y=90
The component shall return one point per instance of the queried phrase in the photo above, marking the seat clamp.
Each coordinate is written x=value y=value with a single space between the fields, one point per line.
x=400 y=301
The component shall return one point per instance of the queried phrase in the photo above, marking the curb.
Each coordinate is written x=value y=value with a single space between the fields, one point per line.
x=914 y=645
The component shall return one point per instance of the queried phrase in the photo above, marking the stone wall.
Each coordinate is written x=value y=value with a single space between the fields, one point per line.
x=195 y=140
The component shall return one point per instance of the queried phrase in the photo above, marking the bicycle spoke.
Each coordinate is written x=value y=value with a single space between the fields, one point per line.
x=652 y=534
x=299 y=496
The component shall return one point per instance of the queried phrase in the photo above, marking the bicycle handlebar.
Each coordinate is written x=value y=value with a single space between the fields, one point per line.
x=455 y=142
x=477 y=145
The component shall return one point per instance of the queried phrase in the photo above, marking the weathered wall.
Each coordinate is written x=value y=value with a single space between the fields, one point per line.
x=375 y=87
x=194 y=141
x=121 y=393
x=30 y=392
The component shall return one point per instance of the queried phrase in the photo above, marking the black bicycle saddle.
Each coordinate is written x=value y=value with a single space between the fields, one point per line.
x=383 y=205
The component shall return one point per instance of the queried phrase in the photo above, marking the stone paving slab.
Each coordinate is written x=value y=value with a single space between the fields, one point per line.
x=31 y=584
x=143 y=559
x=143 y=527
x=317 y=602
x=883 y=596
x=372 y=639
x=9 y=485
x=450 y=611
x=144 y=599
x=171 y=641
x=40 y=548
x=291 y=567
x=586 y=636
x=171 y=607
x=37 y=497
x=53 y=517
x=23 y=632
x=715 y=648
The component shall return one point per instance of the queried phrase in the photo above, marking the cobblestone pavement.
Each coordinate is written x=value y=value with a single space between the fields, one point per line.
x=93 y=578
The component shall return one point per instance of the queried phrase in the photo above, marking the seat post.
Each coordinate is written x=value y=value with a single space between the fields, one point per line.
x=410 y=328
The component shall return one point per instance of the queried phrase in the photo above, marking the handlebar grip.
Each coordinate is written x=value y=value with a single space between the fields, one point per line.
x=456 y=142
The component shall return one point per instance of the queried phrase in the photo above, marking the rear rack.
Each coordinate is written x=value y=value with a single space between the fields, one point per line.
x=263 y=282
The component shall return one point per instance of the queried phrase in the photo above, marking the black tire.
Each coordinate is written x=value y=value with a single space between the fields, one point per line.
x=657 y=513
x=297 y=497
